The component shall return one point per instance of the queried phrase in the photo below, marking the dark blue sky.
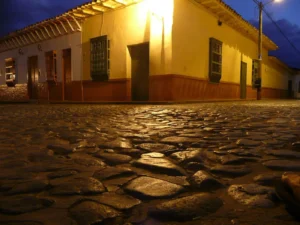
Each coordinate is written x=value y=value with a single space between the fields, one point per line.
x=287 y=15
x=16 y=14
x=286 y=9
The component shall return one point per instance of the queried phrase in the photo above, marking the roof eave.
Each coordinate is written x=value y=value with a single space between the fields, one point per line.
x=229 y=16
x=66 y=23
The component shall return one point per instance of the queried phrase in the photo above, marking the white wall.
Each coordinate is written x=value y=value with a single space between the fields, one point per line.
x=72 y=41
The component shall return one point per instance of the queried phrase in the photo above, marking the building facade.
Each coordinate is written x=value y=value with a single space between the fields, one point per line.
x=135 y=50
x=41 y=61
x=297 y=83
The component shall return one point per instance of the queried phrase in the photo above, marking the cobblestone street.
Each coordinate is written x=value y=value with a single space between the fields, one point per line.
x=210 y=163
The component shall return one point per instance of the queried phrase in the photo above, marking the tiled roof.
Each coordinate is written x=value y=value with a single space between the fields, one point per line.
x=63 y=24
x=71 y=20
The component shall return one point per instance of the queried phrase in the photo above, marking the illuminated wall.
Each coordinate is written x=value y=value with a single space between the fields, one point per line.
x=148 y=21
x=194 y=25
x=275 y=74
x=178 y=32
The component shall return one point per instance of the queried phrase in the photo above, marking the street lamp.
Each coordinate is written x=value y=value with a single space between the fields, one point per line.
x=261 y=6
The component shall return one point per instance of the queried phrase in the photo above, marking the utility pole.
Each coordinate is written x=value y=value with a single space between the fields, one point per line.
x=261 y=6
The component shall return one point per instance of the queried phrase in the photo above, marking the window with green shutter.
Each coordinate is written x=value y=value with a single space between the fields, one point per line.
x=100 y=58
x=215 y=60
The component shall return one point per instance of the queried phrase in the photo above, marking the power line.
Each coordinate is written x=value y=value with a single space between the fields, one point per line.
x=280 y=30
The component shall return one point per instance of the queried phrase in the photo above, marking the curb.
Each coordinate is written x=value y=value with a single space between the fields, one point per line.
x=148 y=102
x=45 y=102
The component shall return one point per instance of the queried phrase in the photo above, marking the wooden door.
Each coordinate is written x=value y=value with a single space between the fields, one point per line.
x=139 y=72
x=243 y=81
x=67 y=74
x=290 y=89
x=33 y=76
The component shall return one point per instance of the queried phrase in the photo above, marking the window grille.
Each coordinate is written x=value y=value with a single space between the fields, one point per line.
x=10 y=72
x=215 y=60
x=100 y=58
x=51 y=66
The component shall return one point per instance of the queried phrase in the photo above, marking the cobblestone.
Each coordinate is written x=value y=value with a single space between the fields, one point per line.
x=147 y=164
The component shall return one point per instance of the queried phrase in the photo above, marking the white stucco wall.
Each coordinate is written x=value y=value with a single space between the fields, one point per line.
x=72 y=41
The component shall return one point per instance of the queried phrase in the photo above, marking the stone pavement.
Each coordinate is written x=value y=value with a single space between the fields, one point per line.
x=210 y=164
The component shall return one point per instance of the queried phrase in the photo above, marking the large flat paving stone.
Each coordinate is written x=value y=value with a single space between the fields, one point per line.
x=268 y=179
x=113 y=158
x=46 y=156
x=284 y=153
x=279 y=121
x=252 y=195
x=152 y=188
x=162 y=165
x=284 y=165
x=187 y=156
x=157 y=147
x=247 y=143
x=228 y=147
x=244 y=153
x=178 y=140
x=231 y=159
x=88 y=212
x=112 y=172
x=187 y=208
x=116 y=184
x=29 y=187
x=231 y=171
x=204 y=181
x=118 y=201
x=119 y=143
x=78 y=186
x=20 y=222
x=296 y=144
x=63 y=173
x=23 y=204
x=88 y=161
x=292 y=180
x=60 y=149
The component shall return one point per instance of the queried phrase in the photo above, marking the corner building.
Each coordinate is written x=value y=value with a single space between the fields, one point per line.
x=142 y=50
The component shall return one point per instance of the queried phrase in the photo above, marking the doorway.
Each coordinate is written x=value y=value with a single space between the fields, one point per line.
x=139 y=72
x=67 y=74
x=33 y=76
x=290 y=89
x=243 y=85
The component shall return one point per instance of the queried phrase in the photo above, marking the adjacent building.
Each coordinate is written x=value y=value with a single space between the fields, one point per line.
x=141 y=50
x=297 y=83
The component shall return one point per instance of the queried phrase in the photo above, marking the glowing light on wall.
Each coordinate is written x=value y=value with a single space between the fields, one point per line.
x=162 y=12
x=162 y=15
x=161 y=8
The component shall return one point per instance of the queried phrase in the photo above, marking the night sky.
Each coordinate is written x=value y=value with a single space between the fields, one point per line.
x=17 y=14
